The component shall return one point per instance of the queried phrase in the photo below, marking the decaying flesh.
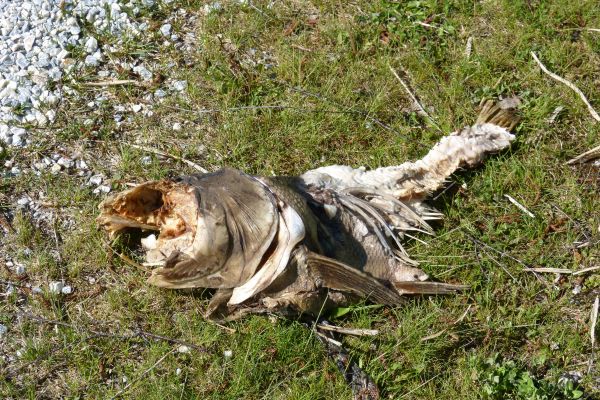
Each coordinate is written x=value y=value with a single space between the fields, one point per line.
x=300 y=244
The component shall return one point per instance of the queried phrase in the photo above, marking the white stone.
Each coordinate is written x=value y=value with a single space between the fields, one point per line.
x=55 y=168
x=56 y=287
x=3 y=330
x=165 y=29
x=183 y=349
x=20 y=269
x=136 y=108
x=91 y=45
x=143 y=72
x=65 y=162
x=176 y=126
x=67 y=290
x=91 y=61
x=228 y=353
x=28 y=42
x=95 y=180
x=180 y=85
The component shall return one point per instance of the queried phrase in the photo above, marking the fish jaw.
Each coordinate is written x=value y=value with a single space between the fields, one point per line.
x=166 y=207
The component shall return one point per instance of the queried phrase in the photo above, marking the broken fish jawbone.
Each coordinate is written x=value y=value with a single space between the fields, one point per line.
x=165 y=207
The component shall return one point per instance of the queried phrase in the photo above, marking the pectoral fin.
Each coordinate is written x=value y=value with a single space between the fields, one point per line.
x=339 y=276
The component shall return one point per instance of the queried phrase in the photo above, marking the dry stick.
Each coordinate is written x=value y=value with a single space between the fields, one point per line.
x=585 y=157
x=162 y=153
x=3 y=282
x=146 y=372
x=570 y=85
x=498 y=263
x=593 y=321
x=420 y=386
x=414 y=99
x=113 y=83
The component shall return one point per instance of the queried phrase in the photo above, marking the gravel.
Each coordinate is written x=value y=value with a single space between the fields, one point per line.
x=35 y=38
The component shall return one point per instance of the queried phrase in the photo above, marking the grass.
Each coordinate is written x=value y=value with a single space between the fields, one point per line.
x=325 y=64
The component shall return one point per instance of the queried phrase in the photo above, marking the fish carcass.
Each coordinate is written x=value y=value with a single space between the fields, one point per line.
x=305 y=244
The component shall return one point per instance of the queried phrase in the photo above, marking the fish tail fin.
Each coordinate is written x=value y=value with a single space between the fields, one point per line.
x=499 y=113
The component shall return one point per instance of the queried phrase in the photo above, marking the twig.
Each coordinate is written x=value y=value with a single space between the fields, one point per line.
x=162 y=153
x=328 y=339
x=498 y=263
x=444 y=191
x=570 y=85
x=416 y=102
x=296 y=46
x=585 y=157
x=137 y=333
x=3 y=282
x=503 y=254
x=146 y=372
x=583 y=271
x=349 y=111
x=113 y=83
x=581 y=29
x=426 y=25
x=349 y=331
x=593 y=321
x=519 y=206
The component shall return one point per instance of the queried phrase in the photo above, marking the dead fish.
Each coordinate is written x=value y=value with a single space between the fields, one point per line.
x=327 y=238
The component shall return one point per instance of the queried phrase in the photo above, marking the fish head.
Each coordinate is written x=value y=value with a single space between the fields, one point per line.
x=207 y=230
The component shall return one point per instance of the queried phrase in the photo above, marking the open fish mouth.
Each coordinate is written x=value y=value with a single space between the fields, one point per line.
x=169 y=208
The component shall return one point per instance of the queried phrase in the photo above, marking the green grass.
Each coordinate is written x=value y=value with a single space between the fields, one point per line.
x=326 y=64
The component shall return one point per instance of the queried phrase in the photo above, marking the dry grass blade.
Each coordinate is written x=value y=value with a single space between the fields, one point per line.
x=570 y=85
x=550 y=270
x=440 y=333
x=519 y=206
x=162 y=153
x=146 y=372
x=585 y=270
x=414 y=99
x=593 y=322
x=349 y=331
